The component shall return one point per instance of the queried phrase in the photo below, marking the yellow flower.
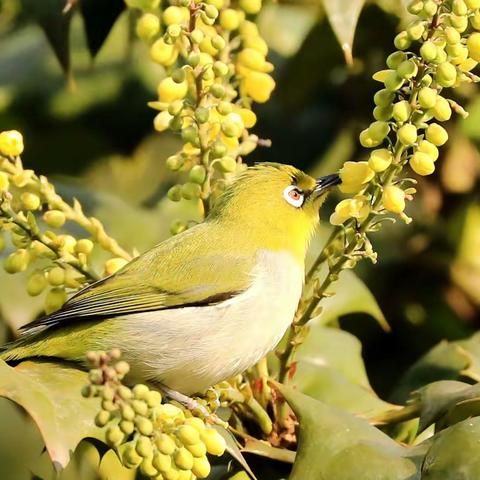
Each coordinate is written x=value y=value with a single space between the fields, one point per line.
x=357 y=207
x=380 y=159
x=161 y=52
x=393 y=199
x=258 y=86
x=162 y=121
x=168 y=90
x=11 y=143
x=354 y=176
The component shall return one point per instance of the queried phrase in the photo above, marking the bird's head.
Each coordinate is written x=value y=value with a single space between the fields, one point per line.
x=276 y=206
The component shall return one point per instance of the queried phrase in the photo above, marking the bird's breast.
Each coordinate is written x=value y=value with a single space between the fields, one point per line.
x=193 y=348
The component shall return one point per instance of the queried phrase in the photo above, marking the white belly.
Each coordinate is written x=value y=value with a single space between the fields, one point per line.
x=192 y=348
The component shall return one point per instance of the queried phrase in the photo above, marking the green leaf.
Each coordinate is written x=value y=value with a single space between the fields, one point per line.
x=50 y=393
x=334 y=444
x=343 y=16
x=99 y=18
x=330 y=368
x=55 y=23
x=454 y=453
x=264 y=449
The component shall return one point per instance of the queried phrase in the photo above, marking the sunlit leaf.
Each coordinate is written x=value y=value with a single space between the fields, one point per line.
x=334 y=444
x=264 y=449
x=50 y=393
x=343 y=17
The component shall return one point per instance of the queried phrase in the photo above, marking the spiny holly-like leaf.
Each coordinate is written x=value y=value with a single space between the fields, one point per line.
x=99 y=18
x=55 y=22
x=50 y=393
x=334 y=444
x=343 y=16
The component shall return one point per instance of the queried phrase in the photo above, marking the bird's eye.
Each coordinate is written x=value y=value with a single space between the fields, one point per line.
x=293 y=196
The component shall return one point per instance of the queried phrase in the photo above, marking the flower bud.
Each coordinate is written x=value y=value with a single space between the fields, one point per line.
x=183 y=459
x=168 y=90
x=452 y=36
x=429 y=148
x=178 y=226
x=383 y=98
x=229 y=19
x=416 y=30
x=402 y=41
x=442 y=110
x=113 y=265
x=165 y=444
x=175 y=193
x=378 y=130
x=144 y=425
x=56 y=276
x=126 y=427
x=227 y=164
x=36 y=283
x=415 y=7
x=162 y=462
x=407 y=134
x=30 y=201
x=144 y=447
x=429 y=9
x=84 y=245
x=102 y=418
x=11 y=143
x=174 y=15
x=214 y=442
x=17 y=261
x=127 y=412
x=114 y=436
x=427 y=97
x=217 y=90
x=55 y=299
x=459 y=22
x=251 y=7
x=201 y=467
x=174 y=162
x=148 y=25
x=428 y=51
x=380 y=159
x=402 y=111
x=54 y=218
x=197 y=174
x=163 y=53
x=459 y=7
x=422 y=163
x=258 y=86
x=473 y=45
x=436 y=134
x=131 y=458
x=174 y=31
x=393 y=81
x=475 y=20
x=367 y=141
x=4 y=183
x=188 y=435
x=473 y=4
x=191 y=190
x=393 y=199
x=383 y=113
x=446 y=74
x=395 y=59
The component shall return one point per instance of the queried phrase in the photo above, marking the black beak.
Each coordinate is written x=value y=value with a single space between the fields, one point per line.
x=323 y=183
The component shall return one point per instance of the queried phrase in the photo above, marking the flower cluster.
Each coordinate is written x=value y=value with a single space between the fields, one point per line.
x=162 y=440
x=32 y=215
x=410 y=107
x=216 y=67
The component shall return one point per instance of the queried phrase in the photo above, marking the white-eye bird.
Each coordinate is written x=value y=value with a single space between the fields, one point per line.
x=203 y=305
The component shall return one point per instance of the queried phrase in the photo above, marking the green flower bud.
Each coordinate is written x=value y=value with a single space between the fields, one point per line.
x=416 y=30
x=402 y=41
x=131 y=458
x=124 y=392
x=108 y=405
x=54 y=218
x=30 y=201
x=230 y=129
x=227 y=164
x=367 y=141
x=415 y=7
x=36 y=283
x=162 y=462
x=193 y=59
x=56 y=276
x=428 y=51
x=221 y=69
x=393 y=199
x=460 y=23
x=436 y=134
x=188 y=435
x=114 y=436
x=174 y=162
x=126 y=427
x=183 y=459
x=251 y=7
x=172 y=474
x=17 y=261
x=459 y=7
x=378 y=130
x=475 y=21
x=218 y=42
x=407 y=69
x=191 y=190
x=217 y=90
x=422 y=163
x=190 y=135
x=383 y=113
x=148 y=25
x=197 y=450
x=178 y=76
x=452 y=36
x=393 y=82
x=380 y=159
x=140 y=391
x=214 y=442
x=407 y=134
x=165 y=444
x=174 y=31
x=197 y=174
x=426 y=80
x=147 y=468
x=144 y=447
x=395 y=59
x=211 y=11
x=55 y=299
x=140 y=407
x=441 y=56
x=446 y=74
x=175 y=193
x=197 y=36
x=429 y=9
x=84 y=245
x=383 y=98
x=144 y=425
x=102 y=418
x=153 y=398
x=201 y=467
x=202 y=114
x=442 y=110
x=175 y=107
x=218 y=150
x=429 y=148
x=402 y=111
x=427 y=97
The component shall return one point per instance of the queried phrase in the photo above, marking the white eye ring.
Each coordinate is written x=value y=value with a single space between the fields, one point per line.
x=293 y=196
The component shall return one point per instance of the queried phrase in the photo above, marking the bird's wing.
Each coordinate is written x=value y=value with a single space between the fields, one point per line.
x=177 y=273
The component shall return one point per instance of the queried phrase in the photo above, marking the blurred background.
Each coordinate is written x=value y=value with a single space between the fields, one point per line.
x=87 y=126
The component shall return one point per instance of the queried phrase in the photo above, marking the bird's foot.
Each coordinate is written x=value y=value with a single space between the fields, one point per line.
x=190 y=403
